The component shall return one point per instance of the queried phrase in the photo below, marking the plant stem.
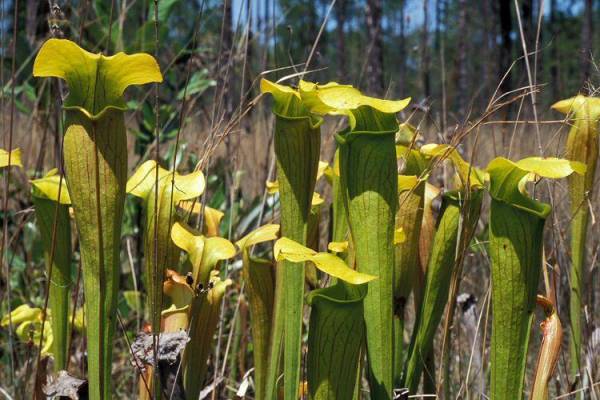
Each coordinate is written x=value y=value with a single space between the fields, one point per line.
x=96 y=151
x=368 y=175
x=297 y=145
x=60 y=278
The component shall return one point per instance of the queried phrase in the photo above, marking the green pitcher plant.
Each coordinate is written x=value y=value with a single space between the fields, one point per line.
x=313 y=222
x=259 y=276
x=456 y=226
x=204 y=253
x=335 y=341
x=160 y=205
x=332 y=340
x=582 y=146
x=409 y=216
x=95 y=156
x=516 y=231
x=297 y=146
x=369 y=183
x=51 y=201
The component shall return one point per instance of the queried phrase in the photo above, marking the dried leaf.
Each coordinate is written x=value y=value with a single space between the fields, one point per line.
x=65 y=385
x=170 y=345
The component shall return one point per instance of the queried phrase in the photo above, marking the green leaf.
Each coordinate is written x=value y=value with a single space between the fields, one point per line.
x=286 y=249
x=204 y=318
x=96 y=82
x=297 y=147
x=582 y=146
x=48 y=214
x=259 y=275
x=369 y=188
x=164 y=10
x=335 y=337
x=335 y=99
x=508 y=179
x=172 y=188
x=516 y=233
x=446 y=256
x=198 y=84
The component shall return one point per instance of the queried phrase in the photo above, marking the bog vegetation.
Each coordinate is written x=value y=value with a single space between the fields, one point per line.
x=388 y=254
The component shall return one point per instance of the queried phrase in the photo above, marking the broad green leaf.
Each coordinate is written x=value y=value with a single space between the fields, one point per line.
x=15 y=158
x=160 y=201
x=164 y=10
x=286 y=249
x=48 y=187
x=369 y=188
x=287 y=102
x=273 y=186
x=550 y=167
x=336 y=99
x=259 y=275
x=198 y=84
x=297 y=145
x=446 y=257
x=94 y=125
x=516 y=233
x=54 y=224
x=335 y=337
x=508 y=179
x=96 y=82
x=204 y=318
x=582 y=146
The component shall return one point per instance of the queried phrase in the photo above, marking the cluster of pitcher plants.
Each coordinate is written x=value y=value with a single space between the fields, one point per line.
x=385 y=244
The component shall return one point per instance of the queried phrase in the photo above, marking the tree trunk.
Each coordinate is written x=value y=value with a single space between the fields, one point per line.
x=461 y=94
x=554 y=70
x=226 y=61
x=375 y=48
x=402 y=51
x=586 y=41
x=341 y=11
x=425 y=51
x=505 y=53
